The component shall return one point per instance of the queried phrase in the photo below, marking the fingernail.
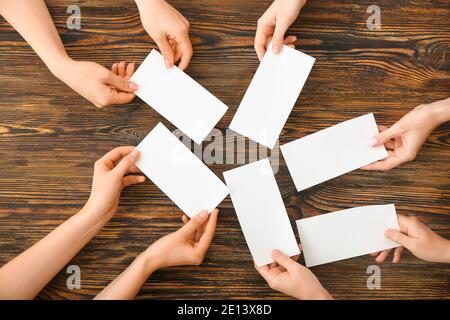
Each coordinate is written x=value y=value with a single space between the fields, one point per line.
x=373 y=142
x=275 y=252
x=134 y=153
x=276 y=49
x=133 y=86
x=168 y=64
x=388 y=233
x=203 y=214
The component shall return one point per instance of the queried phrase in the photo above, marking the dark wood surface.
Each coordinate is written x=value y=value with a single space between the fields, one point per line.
x=50 y=138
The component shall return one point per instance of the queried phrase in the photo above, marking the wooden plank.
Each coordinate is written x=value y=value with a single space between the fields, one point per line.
x=50 y=138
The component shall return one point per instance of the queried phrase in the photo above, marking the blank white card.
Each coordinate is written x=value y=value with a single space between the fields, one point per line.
x=332 y=152
x=260 y=210
x=178 y=172
x=177 y=97
x=271 y=95
x=346 y=234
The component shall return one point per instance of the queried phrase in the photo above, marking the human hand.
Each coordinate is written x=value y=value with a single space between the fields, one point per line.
x=112 y=173
x=186 y=246
x=405 y=138
x=97 y=84
x=169 y=29
x=273 y=25
x=417 y=238
x=291 y=278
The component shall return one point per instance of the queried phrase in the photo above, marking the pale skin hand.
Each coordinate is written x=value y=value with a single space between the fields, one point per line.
x=417 y=238
x=273 y=25
x=27 y=274
x=405 y=138
x=289 y=277
x=92 y=81
x=169 y=29
x=187 y=246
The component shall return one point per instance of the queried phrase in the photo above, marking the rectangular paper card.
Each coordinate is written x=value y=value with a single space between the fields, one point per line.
x=174 y=169
x=271 y=95
x=261 y=211
x=177 y=97
x=332 y=152
x=346 y=234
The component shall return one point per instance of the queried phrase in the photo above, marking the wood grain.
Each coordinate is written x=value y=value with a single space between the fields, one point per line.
x=50 y=138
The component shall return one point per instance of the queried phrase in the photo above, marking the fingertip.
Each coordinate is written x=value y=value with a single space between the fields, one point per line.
x=169 y=63
x=135 y=154
x=203 y=214
x=133 y=86
x=276 y=48
x=373 y=142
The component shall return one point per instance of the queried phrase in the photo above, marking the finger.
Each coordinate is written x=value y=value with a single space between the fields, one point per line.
x=120 y=83
x=290 y=40
x=186 y=50
x=114 y=68
x=129 y=180
x=374 y=254
x=399 y=237
x=133 y=169
x=264 y=271
x=126 y=163
x=114 y=156
x=185 y=218
x=398 y=254
x=278 y=36
x=130 y=70
x=284 y=261
x=389 y=163
x=208 y=234
x=260 y=42
x=382 y=256
x=196 y=222
x=291 y=46
x=385 y=136
x=166 y=50
x=119 y=97
x=121 y=69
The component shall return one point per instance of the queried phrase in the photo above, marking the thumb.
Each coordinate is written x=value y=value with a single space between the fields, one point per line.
x=385 y=136
x=399 y=237
x=120 y=83
x=284 y=261
x=166 y=51
x=127 y=162
x=196 y=222
x=278 y=37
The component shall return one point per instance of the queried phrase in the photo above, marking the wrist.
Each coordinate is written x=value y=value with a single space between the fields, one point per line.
x=318 y=294
x=445 y=254
x=58 y=65
x=440 y=111
x=150 y=261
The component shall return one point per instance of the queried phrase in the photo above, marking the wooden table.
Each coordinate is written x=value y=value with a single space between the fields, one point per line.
x=50 y=138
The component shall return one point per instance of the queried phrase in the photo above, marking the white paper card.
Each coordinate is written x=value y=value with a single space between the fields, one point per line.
x=346 y=234
x=261 y=211
x=177 y=97
x=271 y=95
x=332 y=152
x=173 y=168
